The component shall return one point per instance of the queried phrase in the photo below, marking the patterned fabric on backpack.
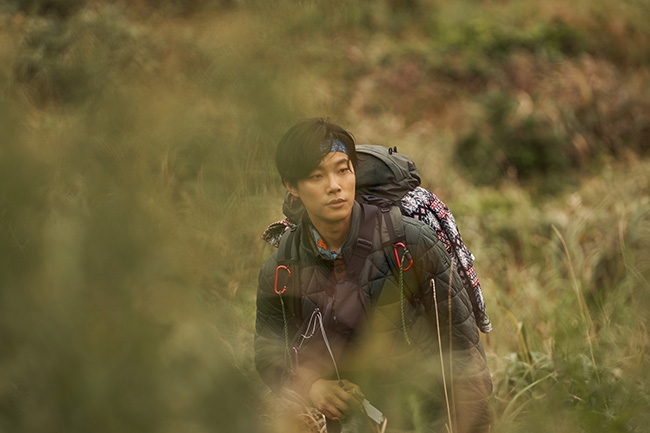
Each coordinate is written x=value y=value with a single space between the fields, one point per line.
x=423 y=205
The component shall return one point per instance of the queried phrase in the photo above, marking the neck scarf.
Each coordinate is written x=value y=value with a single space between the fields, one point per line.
x=321 y=246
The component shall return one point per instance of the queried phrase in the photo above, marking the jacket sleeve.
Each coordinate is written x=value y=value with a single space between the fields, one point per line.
x=271 y=354
x=269 y=341
x=450 y=308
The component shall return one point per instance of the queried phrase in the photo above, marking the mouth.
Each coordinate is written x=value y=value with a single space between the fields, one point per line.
x=336 y=202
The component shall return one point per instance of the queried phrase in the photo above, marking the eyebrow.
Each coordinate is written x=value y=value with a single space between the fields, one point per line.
x=343 y=160
x=340 y=161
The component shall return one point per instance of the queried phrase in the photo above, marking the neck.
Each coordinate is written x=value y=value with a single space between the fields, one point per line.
x=333 y=233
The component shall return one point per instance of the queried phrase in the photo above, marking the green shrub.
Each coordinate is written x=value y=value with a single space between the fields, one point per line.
x=79 y=59
x=497 y=38
x=511 y=146
x=54 y=8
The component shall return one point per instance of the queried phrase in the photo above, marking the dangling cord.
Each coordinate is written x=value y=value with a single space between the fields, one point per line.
x=450 y=426
x=286 y=334
x=401 y=300
x=315 y=322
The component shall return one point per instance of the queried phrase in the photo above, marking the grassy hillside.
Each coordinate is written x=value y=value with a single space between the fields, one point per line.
x=136 y=176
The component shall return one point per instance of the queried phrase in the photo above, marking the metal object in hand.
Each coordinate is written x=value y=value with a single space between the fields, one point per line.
x=372 y=412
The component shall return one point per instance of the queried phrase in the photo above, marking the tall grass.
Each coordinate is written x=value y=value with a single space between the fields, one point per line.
x=136 y=175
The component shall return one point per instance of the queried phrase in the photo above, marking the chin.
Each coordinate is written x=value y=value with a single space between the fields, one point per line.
x=341 y=214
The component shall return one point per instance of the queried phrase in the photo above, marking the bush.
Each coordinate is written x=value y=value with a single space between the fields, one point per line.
x=77 y=60
x=511 y=146
x=55 y=8
x=488 y=36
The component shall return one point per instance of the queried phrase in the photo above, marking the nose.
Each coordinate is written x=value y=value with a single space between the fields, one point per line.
x=333 y=184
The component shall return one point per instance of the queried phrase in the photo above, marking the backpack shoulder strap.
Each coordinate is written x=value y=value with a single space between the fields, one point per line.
x=363 y=245
x=393 y=227
x=397 y=253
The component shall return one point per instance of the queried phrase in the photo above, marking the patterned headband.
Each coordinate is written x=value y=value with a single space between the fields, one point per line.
x=333 y=146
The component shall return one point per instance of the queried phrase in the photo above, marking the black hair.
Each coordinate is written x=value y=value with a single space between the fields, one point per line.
x=300 y=149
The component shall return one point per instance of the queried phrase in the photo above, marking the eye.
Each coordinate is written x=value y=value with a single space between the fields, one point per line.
x=315 y=176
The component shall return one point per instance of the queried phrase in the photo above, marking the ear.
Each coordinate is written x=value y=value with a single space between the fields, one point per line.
x=293 y=190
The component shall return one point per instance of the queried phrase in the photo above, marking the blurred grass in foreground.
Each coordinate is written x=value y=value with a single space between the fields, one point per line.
x=136 y=177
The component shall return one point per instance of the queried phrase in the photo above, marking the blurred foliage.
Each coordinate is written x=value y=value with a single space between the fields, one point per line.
x=54 y=8
x=485 y=35
x=82 y=58
x=136 y=175
x=522 y=135
x=517 y=147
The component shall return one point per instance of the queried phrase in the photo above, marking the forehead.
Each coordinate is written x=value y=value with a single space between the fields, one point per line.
x=333 y=159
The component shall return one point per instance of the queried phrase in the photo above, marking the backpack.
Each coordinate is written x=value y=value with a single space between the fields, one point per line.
x=387 y=181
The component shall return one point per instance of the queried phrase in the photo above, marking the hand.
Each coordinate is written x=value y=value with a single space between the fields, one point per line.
x=333 y=400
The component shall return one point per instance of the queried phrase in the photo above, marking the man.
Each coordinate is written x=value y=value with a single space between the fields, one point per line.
x=347 y=328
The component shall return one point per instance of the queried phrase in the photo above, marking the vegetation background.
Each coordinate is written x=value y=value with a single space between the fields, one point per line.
x=136 y=176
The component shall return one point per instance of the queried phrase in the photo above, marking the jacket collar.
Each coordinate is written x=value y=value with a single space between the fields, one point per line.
x=346 y=249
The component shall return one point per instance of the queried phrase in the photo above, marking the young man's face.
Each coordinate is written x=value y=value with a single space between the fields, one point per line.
x=328 y=192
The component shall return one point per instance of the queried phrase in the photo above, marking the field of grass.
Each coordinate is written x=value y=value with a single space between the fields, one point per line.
x=136 y=176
